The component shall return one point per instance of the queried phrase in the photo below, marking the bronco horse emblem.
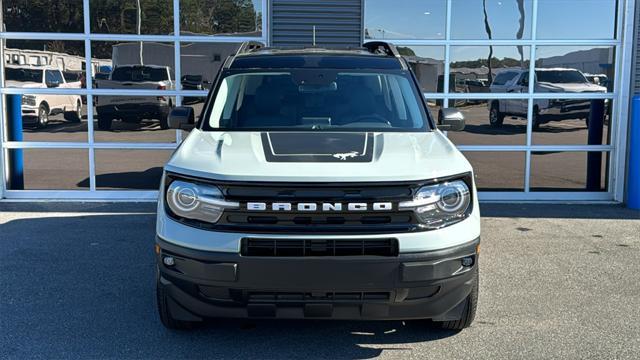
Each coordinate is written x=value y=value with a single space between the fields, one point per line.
x=344 y=156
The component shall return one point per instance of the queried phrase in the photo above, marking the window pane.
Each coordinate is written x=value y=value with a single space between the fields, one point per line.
x=482 y=129
x=221 y=17
x=130 y=169
x=43 y=16
x=30 y=63
x=133 y=119
x=474 y=73
x=504 y=19
x=576 y=19
x=572 y=122
x=200 y=63
x=569 y=171
x=51 y=169
x=428 y=64
x=46 y=117
x=135 y=65
x=153 y=17
x=498 y=170
x=412 y=19
x=596 y=63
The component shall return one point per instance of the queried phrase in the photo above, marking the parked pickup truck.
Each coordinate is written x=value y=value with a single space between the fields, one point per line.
x=547 y=80
x=134 y=108
x=317 y=185
x=36 y=108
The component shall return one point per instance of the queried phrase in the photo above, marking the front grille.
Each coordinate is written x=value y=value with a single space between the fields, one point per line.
x=310 y=297
x=319 y=247
x=295 y=221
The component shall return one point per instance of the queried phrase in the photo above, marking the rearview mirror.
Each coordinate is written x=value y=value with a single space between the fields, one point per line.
x=181 y=118
x=450 y=119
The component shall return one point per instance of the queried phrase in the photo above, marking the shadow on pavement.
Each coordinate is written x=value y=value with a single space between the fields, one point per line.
x=84 y=287
x=558 y=211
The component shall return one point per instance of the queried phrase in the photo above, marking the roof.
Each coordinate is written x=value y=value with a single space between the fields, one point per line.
x=32 y=67
x=274 y=58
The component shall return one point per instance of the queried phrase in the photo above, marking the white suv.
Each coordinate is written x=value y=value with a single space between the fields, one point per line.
x=548 y=80
x=317 y=185
x=36 y=108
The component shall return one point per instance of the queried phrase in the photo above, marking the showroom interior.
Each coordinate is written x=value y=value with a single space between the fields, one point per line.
x=534 y=132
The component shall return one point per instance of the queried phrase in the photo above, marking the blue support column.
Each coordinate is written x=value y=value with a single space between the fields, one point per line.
x=633 y=175
x=14 y=133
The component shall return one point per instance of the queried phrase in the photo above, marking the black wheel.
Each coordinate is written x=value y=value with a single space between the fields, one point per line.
x=496 y=117
x=536 y=121
x=76 y=115
x=43 y=115
x=165 y=312
x=104 y=122
x=469 y=312
x=164 y=121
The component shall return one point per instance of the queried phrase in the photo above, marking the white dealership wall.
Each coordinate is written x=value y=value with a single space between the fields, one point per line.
x=623 y=42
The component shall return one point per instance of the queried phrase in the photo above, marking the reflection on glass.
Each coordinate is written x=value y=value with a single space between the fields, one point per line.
x=200 y=63
x=479 y=130
x=569 y=171
x=221 y=17
x=47 y=117
x=498 y=170
x=44 y=64
x=133 y=119
x=412 y=19
x=134 y=65
x=478 y=69
x=572 y=122
x=427 y=63
x=576 y=19
x=43 y=16
x=491 y=19
x=130 y=169
x=147 y=17
x=595 y=63
x=50 y=169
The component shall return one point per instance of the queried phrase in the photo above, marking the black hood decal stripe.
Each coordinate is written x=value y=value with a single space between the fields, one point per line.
x=318 y=146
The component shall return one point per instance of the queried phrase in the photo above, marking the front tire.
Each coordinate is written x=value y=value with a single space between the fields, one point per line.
x=104 y=122
x=164 y=310
x=496 y=117
x=43 y=116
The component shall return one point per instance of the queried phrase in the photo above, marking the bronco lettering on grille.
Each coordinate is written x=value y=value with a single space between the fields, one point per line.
x=322 y=207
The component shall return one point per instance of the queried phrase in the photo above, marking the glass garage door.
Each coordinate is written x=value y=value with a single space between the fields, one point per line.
x=543 y=85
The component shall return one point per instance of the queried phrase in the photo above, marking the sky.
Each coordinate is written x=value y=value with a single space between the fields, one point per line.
x=426 y=19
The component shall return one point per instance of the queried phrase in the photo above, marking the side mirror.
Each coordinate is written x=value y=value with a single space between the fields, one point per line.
x=450 y=119
x=181 y=118
x=53 y=84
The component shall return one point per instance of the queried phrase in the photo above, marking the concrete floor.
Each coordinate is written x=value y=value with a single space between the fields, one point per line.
x=556 y=282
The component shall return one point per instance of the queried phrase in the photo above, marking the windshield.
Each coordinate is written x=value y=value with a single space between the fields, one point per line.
x=306 y=99
x=560 y=76
x=139 y=73
x=23 y=75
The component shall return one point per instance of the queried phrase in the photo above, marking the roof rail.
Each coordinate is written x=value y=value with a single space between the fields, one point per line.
x=381 y=47
x=249 y=46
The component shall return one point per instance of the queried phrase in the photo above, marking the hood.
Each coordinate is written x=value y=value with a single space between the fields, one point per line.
x=317 y=156
x=23 y=84
x=571 y=87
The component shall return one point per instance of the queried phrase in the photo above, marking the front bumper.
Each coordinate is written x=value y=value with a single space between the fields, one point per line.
x=204 y=284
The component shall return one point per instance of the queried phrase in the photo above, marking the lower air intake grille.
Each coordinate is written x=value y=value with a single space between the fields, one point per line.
x=319 y=247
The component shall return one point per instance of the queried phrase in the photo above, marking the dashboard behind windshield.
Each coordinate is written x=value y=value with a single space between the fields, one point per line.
x=317 y=99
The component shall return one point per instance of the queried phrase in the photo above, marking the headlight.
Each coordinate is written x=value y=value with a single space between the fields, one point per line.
x=440 y=204
x=29 y=100
x=196 y=201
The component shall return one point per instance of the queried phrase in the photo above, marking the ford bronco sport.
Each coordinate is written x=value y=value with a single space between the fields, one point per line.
x=316 y=184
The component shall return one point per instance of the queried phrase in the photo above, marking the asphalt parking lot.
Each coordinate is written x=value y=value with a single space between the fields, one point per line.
x=557 y=281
